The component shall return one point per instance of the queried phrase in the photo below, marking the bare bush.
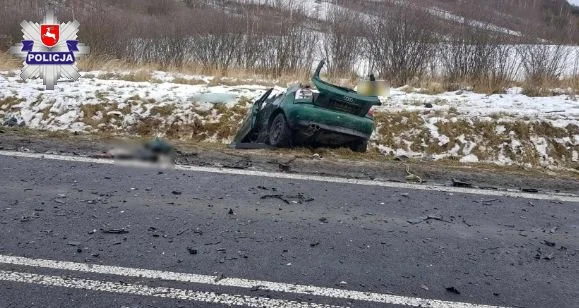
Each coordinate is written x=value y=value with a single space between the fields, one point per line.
x=542 y=64
x=400 y=43
x=342 y=40
x=469 y=56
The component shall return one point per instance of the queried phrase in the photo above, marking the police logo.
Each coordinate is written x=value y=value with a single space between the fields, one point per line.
x=50 y=50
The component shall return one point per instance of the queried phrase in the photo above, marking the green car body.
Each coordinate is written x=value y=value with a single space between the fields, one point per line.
x=331 y=116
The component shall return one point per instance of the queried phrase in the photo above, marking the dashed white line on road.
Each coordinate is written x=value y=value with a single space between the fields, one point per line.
x=239 y=283
x=143 y=290
x=305 y=177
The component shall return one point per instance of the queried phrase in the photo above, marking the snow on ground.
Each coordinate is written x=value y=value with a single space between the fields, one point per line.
x=508 y=128
x=560 y=110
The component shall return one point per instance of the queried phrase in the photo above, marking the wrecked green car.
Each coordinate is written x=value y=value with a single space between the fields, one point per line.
x=300 y=116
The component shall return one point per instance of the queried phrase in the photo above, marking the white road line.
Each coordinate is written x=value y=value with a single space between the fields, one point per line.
x=293 y=176
x=143 y=290
x=238 y=283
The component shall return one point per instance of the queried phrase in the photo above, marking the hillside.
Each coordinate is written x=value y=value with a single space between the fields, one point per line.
x=539 y=19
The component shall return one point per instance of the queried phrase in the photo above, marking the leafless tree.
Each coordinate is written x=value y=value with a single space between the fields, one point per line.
x=401 y=43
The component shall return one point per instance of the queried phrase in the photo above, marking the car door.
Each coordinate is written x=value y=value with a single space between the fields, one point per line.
x=250 y=121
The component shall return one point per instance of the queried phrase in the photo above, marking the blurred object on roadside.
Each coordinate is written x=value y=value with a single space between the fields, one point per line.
x=372 y=87
x=159 y=146
x=155 y=151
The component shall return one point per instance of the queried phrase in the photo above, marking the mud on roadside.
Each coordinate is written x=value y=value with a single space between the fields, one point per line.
x=306 y=161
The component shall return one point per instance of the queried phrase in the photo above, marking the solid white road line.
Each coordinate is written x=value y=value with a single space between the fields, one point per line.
x=238 y=283
x=143 y=290
x=292 y=176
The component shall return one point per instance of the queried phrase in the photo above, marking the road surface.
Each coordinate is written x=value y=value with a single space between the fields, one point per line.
x=86 y=234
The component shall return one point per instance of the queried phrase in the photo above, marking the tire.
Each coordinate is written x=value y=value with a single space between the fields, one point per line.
x=279 y=132
x=359 y=146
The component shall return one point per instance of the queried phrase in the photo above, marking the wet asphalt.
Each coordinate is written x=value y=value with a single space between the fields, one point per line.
x=492 y=250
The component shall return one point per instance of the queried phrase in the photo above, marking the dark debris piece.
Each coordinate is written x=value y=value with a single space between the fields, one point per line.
x=280 y=197
x=241 y=164
x=418 y=220
x=452 y=290
x=530 y=190
x=457 y=183
x=115 y=231
x=159 y=146
x=286 y=167
x=192 y=251
x=299 y=198
x=549 y=243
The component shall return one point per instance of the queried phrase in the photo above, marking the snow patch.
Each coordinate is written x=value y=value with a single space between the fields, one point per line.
x=471 y=158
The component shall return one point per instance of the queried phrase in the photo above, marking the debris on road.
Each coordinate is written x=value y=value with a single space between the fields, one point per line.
x=230 y=212
x=486 y=202
x=549 y=243
x=299 y=198
x=280 y=197
x=286 y=167
x=220 y=277
x=457 y=183
x=115 y=231
x=192 y=251
x=176 y=192
x=530 y=190
x=452 y=290
x=244 y=163
x=411 y=177
x=25 y=219
x=466 y=223
x=543 y=255
x=422 y=219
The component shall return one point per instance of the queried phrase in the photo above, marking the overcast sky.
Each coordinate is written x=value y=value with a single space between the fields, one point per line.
x=574 y=2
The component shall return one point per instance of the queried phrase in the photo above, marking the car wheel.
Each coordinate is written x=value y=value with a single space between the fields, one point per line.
x=359 y=146
x=279 y=132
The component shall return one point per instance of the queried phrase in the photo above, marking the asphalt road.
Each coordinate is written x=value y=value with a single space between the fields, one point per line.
x=405 y=245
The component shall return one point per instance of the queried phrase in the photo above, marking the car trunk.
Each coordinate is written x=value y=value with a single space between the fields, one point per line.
x=341 y=99
x=342 y=105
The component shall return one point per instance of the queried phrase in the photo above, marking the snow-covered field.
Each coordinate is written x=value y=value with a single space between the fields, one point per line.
x=508 y=128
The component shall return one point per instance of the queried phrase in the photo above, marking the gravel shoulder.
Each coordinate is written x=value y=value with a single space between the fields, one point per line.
x=338 y=163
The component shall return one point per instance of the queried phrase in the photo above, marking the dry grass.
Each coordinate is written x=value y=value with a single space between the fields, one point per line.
x=180 y=80
x=538 y=91
x=406 y=130
x=46 y=112
x=103 y=116
x=138 y=76
x=394 y=127
x=9 y=62
x=8 y=102
x=163 y=111
x=232 y=76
